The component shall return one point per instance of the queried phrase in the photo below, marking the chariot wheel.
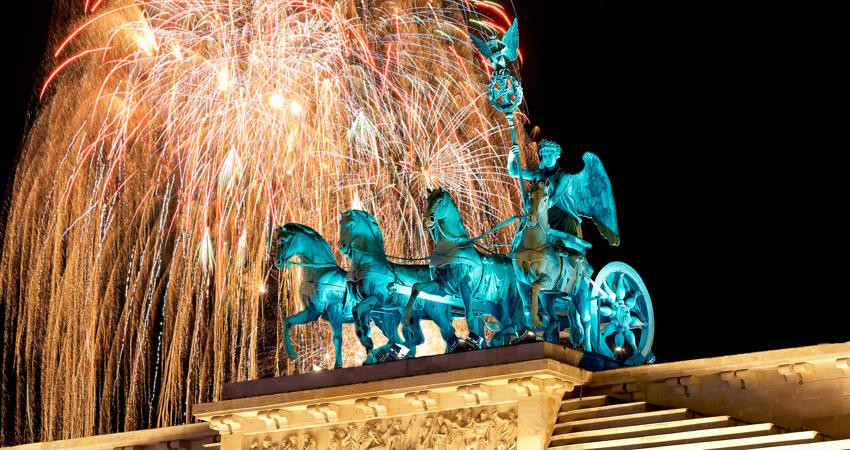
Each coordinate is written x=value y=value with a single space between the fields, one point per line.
x=625 y=324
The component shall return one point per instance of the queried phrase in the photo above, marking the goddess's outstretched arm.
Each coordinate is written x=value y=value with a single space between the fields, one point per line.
x=514 y=167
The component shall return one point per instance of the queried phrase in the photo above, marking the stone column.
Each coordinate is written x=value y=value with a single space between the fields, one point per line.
x=538 y=402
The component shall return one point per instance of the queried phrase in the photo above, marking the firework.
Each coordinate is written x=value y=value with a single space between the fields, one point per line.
x=172 y=136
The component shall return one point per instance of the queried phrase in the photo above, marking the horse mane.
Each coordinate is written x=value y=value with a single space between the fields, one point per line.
x=440 y=192
x=316 y=237
x=362 y=217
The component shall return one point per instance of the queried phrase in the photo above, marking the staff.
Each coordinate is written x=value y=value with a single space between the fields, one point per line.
x=505 y=90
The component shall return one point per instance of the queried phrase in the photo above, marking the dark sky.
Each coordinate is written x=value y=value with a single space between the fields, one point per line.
x=716 y=134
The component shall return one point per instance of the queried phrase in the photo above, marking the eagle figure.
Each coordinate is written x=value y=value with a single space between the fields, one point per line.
x=500 y=52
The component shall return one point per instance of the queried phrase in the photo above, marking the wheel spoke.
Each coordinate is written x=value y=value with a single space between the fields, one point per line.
x=606 y=288
x=621 y=288
x=631 y=301
x=639 y=315
x=631 y=338
x=627 y=285
x=636 y=323
x=613 y=285
x=619 y=339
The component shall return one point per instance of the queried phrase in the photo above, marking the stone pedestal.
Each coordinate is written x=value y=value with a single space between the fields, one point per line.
x=509 y=398
x=503 y=398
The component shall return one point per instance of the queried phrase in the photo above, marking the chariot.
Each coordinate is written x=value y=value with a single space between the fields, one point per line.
x=621 y=319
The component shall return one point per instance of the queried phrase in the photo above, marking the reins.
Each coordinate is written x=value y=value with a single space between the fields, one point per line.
x=448 y=236
x=459 y=240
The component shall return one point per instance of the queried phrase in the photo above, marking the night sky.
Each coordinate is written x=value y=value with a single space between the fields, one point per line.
x=728 y=191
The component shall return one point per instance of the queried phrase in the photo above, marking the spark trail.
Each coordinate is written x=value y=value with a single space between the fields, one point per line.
x=171 y=137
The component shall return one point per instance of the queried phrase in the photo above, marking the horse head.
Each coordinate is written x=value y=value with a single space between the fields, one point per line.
x=356 y=225
x=442 y=217
x=438 y=202
x=296 y=239
x=281 y=240
x=537 y=205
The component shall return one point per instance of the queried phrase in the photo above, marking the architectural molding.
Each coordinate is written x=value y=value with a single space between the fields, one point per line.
x=514 y=402
x=227 y=424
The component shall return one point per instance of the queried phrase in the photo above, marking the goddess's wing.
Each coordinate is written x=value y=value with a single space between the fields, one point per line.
x=591 y=196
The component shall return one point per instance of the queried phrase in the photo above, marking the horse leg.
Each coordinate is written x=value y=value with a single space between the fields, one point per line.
x=482 y=322
x=478 y=328
x=388 y=324
x=335 y=318
x=431 y=287
x=362 y=321
x=413 y=335
x=583 y=306
x=501 y=337
x=507 y=324
x=441 y=315
x=466 y=296
x=552 y=334
x=535 y=303
x=523 y=291
x=390 y=330
x=303 y=317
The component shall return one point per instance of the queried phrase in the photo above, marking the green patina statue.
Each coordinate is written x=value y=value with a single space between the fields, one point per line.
x=323 y=290
x=372 y=285
x=543 y=285
x=483 y=284
x=572 y=196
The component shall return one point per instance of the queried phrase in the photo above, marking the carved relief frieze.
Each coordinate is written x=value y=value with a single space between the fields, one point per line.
x=480 y=428
x=285 y=442
x=483 y=428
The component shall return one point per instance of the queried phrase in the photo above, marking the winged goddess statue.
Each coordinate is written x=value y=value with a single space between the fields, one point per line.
x=572 y=196
x=500 y=52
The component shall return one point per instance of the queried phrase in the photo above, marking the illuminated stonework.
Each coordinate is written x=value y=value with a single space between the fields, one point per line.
x=482 y=428
x=530 y=396
x=492 y=399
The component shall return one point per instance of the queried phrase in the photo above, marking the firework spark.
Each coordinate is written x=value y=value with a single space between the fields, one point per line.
x=173 y=135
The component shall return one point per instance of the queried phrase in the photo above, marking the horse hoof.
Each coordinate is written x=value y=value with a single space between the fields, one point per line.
x=455 y=345
x=526 y=336
x=464 y=345
x=475 y=341
x=395 y=353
